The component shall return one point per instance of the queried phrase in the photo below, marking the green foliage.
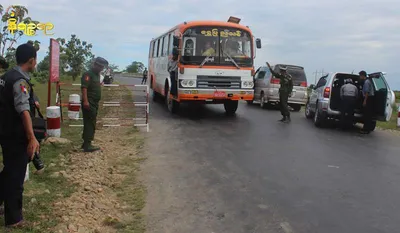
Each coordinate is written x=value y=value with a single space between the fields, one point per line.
x=135 y=67
x=397 y=93
x=7 y=39
x=113 y=67
x=77 y=54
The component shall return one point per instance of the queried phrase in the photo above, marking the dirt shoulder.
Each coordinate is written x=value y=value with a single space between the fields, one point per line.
x=107 y=197
x=89 y=192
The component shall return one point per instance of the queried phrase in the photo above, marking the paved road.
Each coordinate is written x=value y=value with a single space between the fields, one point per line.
x=210 y=173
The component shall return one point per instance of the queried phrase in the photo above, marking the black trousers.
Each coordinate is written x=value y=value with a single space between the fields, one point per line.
x=368 y=113
x=174 y=90
x=347 y=110
x=15 y=160
x=283 y=100
x=89 y=121
x=144 y=79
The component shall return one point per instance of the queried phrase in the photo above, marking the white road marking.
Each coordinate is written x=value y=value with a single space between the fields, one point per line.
x=286 y=227
x=331 y=166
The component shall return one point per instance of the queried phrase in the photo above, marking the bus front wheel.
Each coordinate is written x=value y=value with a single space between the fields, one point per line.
x=231 y=107
x=173 y=105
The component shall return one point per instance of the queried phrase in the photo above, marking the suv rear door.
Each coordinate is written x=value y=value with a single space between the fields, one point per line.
x=317 y=91
x=384 y=98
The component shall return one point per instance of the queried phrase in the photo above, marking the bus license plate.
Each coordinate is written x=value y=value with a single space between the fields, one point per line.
x=219 y=94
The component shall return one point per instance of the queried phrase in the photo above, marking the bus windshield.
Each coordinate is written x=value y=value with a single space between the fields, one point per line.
x=217 y=46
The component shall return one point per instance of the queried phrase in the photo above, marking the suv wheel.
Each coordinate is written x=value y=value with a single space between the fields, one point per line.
x=309 y=114
x=319 y=119
x=262 y=101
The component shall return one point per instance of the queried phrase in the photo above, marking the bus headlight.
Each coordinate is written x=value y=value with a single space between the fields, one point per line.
x=248 y=84
x=188 y=83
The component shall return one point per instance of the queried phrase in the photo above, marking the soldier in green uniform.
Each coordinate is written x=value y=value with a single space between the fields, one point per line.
x=91 y=95
x=285 y=90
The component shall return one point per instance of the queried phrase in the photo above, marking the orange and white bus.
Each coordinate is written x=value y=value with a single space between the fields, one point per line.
x=215 y=64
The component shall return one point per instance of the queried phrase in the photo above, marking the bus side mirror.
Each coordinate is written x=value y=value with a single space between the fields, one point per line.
x=175 y=42
x=258 y=43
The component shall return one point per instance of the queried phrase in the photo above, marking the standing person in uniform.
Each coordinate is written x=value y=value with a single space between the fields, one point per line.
x=348 y=95
x=173 y=71
x=144 y=80
x=368 y=103
x=17 y=137
x=91 y=95
x=285 y=90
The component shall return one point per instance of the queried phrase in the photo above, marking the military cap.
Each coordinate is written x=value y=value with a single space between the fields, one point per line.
x=363 y=73
x=282 y=68
x=101 y=61
x=3 y=63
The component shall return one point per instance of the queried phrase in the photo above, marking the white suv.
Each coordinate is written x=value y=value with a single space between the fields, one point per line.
x=324 y=102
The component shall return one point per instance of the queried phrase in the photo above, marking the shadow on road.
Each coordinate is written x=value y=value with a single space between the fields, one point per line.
x=197 y=112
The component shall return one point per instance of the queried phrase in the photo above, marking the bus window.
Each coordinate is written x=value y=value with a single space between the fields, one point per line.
x=218 y=43
x=154 y=48
x=165 y=47
x=158 y=47
x=151 y=49
x=189 y=46
x=237 y=47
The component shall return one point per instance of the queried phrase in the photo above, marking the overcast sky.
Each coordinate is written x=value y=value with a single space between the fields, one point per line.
x=340 y=35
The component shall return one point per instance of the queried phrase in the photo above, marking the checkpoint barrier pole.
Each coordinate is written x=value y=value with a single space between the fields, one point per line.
x=114 y=104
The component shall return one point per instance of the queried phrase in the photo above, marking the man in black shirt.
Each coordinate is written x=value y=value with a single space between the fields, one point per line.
x=17 y=137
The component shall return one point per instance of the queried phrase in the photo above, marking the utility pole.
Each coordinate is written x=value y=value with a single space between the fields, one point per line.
x=315 y=78
x=318 y=74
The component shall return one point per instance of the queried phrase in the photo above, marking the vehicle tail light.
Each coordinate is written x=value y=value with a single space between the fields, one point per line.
x=303 y=84
x=327 y=92
x=275 y=81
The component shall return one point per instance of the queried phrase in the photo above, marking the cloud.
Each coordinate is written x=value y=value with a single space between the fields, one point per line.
x=331 y=35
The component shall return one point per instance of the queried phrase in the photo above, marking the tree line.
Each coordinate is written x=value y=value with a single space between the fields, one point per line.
x=75 y=54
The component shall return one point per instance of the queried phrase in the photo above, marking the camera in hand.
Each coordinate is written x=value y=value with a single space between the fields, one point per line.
x=37 y=162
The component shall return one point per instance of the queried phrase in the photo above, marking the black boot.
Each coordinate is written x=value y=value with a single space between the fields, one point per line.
x=88 y=147
x=287 y=120
x=283 y=119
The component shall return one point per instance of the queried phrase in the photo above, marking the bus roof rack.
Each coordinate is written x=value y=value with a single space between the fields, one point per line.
x=233 y=19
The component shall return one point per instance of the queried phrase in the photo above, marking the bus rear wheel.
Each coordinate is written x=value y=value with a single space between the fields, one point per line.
x=230 y=107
